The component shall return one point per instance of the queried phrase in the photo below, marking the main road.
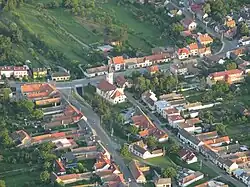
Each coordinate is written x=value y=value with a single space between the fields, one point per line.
x=94 y=123
x=157 y=122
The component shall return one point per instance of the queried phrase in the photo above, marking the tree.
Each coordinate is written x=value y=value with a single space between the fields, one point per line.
x=174 y=148
x=221 y=129
x=133 y=130
x=151 y=142
x=170 y=172
x=37 y=114
x=207 y=8
x=2 y=183
x=243 y=29
x=44 y=176
x=231 y=65
x=6 y=94
x=177 y=28
x=26 y=106
x=46 y=165
x=124 y=151
x=80 y=167
x=5 y=139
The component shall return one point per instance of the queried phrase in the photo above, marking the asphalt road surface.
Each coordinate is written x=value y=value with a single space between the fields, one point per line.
x=94 y=122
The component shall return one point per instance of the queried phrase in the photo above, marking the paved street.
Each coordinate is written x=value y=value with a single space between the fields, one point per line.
x=94 y=123
x=156 y=121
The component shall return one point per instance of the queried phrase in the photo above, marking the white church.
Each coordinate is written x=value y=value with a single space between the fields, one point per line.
x=109 y=91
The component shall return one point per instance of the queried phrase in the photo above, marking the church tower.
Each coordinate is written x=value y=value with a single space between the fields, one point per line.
x=110 y=75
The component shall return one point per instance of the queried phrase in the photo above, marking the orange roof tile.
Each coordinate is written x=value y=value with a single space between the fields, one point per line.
x=144 y=133
x=217 y=140
x=118 y=60
x=183 y=51
x=228 y=72
x=153 y=69
x=231 y=23
x=68 y=177
x=205 y=38
x=193 y=46
x=116 y=94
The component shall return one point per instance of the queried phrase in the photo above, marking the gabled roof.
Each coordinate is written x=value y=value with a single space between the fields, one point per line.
x=106 y=86
x=187 y=21
x=116 y=94
x=183 y=51
x=205 y=38
x=153 y=69
x=226 y=73
x=118 y=60
x=120 y=80
x=135 y=170
x=169 y=111
x=189 y=137
x=193 y=46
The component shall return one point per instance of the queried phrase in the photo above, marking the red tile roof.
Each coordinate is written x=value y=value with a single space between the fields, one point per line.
x=60 y=166
x=193 y=46
x=116 y=94
x=142 y=121
x=153 y=69
x=171 y=111
x=228 y=73
x=105 y=86
x=205 y=38
x=175 y=118
x=118 y=60
x=183 y=50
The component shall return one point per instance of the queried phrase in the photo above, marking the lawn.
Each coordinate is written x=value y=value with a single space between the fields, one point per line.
x=162 y=162
x=8 y=167
x=195 y=166
x=23 y=179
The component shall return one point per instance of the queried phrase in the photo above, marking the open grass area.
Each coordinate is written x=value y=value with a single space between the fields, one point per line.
x=36 y=23
x=24 y=180
x=162 y=162
x=9 y=167
x=195 y=166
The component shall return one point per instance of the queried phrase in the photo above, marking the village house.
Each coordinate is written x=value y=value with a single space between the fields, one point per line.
x=141 y=150
x=173 y=11
x=187 y=180
x=189 y=139
x=117 y=62
x=107 y=90
x=229 y=76
x=59 y=168
x=42 y=94
x=20 y=137
x=212 y=183
x=183 y=53
x=103 y=162
x=149 y=98
x=230 y=23
x=245 y=66
x=96 y=71
x=187 y=156
x=170 y=112
x=160 y=105
x=193 y=48
x=121 y=82
x=178 y=69
x=189 y=24
x=69 y=178
x=204 y=39
x=161 y=182
x=136 y=172
x=173 y=120
x=153 y=69
x=70 y=115
x=14 y=71
x=60 y=76
x=39 y=72
x=204 y=51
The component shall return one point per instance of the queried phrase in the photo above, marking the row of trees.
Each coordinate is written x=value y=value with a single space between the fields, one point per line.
x=159 y=83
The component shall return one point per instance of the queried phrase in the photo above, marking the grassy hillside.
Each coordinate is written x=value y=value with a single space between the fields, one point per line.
x=69 y=34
